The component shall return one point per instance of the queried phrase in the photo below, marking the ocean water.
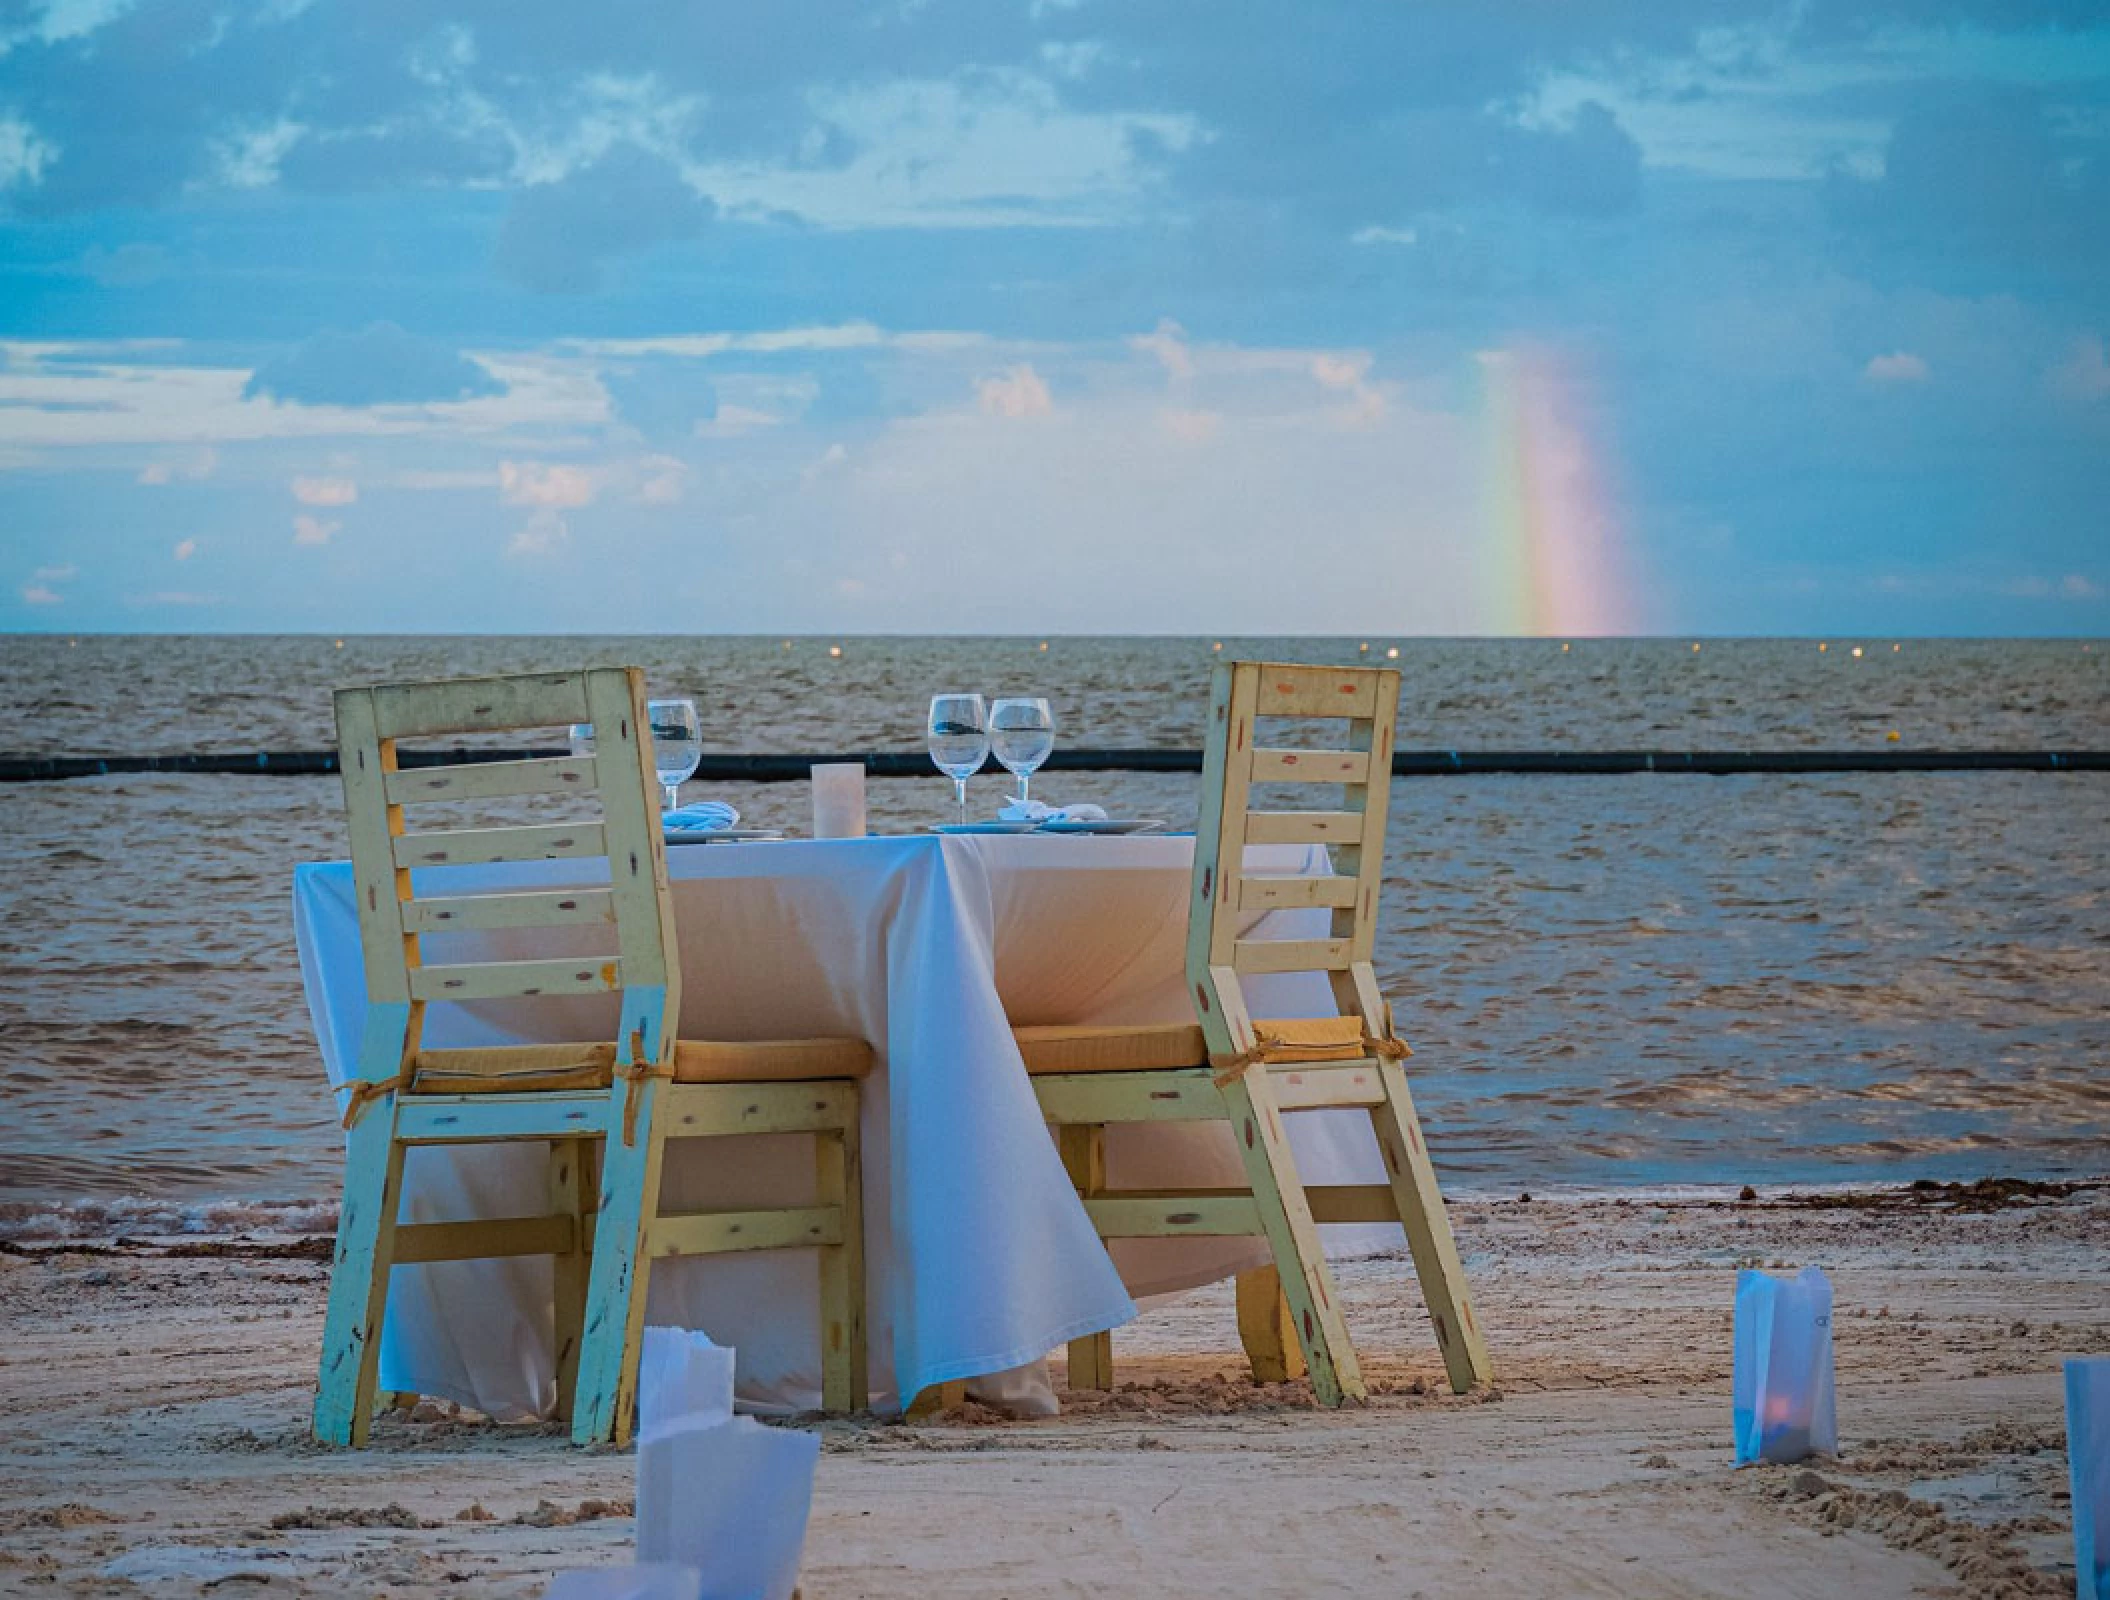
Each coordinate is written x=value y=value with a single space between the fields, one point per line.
x=1608 y=980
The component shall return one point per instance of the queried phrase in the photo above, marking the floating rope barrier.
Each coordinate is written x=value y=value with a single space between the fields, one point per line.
x=788 y=768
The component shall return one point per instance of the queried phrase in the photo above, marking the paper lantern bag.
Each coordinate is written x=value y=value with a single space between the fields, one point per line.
x=1781 y=1395
x=2088 y=1460
x=719 y=1493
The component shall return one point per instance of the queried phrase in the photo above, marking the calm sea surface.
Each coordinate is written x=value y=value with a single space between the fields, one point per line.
x=1608 y=980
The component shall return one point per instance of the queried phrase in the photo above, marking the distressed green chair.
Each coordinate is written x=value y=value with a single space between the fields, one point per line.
x=603 y=1105
x=1227 y=1067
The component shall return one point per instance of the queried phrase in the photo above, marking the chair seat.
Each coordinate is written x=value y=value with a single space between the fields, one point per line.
x=769 y=1060
x=1135 y=1047
x=1157 y=1046
x=552 y=1068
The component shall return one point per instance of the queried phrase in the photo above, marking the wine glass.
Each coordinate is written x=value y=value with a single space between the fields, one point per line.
x=1021 y=735
x=677 y=743
x=958 y=735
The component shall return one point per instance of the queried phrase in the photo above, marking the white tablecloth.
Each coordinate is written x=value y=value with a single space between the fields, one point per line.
x=980 y=1257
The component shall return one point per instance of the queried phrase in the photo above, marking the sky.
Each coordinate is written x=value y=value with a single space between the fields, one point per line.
x=1035 y=316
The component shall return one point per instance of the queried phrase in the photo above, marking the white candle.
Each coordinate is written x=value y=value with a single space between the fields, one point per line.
x=839 y=800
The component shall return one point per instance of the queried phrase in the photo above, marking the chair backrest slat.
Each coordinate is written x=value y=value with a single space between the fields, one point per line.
x=1303 y=827
x=1311 y=766
x=408 y=883
x=468 y=847
x=509 y=980
x=479 y=705
x=1250 y=957
x=541 y=908
x=1282 y=691
x=1267 y=892
x=492 y=780
x=1352 y=710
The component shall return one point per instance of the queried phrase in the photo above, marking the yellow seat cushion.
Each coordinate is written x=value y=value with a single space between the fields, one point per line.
x=552 y=1068
x=769 y=1060
x=1136 y=1047
x=1158 y=1046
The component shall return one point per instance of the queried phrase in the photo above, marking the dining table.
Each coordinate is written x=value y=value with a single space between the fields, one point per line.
x=931 y=947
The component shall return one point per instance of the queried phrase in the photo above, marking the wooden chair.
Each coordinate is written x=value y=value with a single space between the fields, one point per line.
x=1229 y=1067
x=605 y=1104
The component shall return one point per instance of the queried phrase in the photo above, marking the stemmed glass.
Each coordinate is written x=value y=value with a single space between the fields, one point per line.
x=1022 y=736
x=677 y=744
x=958 y=735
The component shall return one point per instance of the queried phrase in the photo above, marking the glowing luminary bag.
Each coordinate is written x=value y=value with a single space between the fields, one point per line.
x=719 y=1493
x=2088 y=1459
x=1781 y=1395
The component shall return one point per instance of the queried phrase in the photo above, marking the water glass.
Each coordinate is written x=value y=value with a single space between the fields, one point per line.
x=677 y=744
x=1021 y=735
x=958 y=734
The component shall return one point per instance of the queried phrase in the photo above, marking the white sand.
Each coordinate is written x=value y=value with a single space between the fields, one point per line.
x=152 y=1433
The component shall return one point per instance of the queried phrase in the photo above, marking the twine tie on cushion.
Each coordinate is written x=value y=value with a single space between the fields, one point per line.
x=634 y=1073
x=365 y=1089
x=1310 y=1041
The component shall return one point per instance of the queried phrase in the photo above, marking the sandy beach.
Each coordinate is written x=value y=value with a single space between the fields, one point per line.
x=154 y=1397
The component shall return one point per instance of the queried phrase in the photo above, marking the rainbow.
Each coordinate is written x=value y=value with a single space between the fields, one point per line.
x=1553 y=554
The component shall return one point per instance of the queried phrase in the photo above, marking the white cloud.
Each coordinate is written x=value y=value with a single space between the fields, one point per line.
x=1192 y=427
x=1020 y=392
x=23 y=156
x=2086 y=374
x=1339 y=372
x=193 y=468
x=174 y=597
x=539 y=483
x=186 y=549
x=1168 y=342
x=545 y=532
x=2075 y=587
x=991 y=148
x=56 y=574
x=666 y=477
x=92 y=394
x=414 y=478
x=1107 y=482
x=732 y=421
x=1900 y=366
x=313 y=530
x=35 y=594
x=325 y=491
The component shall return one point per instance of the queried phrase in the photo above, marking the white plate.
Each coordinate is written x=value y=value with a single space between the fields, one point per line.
x=721 y=835
x=1109 y=825
x=983 y=827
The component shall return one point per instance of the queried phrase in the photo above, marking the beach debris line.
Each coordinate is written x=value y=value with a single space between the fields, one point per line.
x=658 y=1580
x=1781 y=1390
x=2088 y=1466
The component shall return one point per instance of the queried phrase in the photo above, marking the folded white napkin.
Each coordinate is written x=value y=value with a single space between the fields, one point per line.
x=1034 y=811
x=702 y=816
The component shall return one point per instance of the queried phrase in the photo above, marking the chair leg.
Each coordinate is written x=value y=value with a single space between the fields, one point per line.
x=569 y=1183
x=1285 y=1215
x=939 y=1397
x=845 y=1368
x=604 y=1405
x=1428 y=1227
x=366 y=1239
x=1265 y=1328
x=1083 y=1147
